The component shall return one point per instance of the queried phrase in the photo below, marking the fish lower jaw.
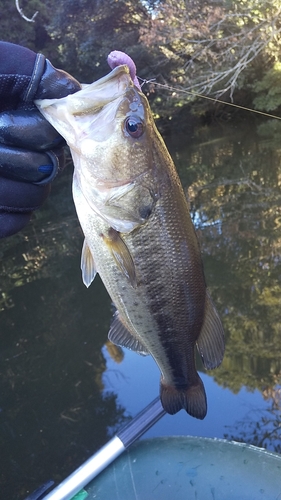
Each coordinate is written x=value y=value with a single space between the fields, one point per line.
x=191 y=398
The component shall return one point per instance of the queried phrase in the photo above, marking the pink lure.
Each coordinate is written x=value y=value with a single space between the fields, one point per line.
x=117 y=58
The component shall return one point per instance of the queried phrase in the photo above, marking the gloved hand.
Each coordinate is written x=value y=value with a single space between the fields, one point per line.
x=31 y=151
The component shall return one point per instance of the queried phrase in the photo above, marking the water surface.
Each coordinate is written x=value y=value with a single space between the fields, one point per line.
x=64 y=390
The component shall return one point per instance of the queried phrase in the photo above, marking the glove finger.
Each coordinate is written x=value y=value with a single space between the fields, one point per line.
x=30 y=166
x=21 y=197
x=29 y=130
x=11 y=223
x=56 y=83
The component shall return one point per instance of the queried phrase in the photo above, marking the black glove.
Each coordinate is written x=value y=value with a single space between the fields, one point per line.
x=31 y=151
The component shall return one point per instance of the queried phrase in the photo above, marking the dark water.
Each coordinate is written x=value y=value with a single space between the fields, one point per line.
x=64 y=390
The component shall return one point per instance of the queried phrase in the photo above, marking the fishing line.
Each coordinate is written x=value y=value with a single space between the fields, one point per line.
x=194 y=94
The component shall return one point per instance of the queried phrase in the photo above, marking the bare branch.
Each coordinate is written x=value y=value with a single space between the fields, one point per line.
x=210 y=48
x=30 y=20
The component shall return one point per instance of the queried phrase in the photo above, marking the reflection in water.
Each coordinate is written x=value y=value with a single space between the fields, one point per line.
x=54 y=412
x=262 y=426
x=235 y=201
x=236 y=207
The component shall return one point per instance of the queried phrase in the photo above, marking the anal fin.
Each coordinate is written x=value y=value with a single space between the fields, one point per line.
x=119 y=335
x=210 y=343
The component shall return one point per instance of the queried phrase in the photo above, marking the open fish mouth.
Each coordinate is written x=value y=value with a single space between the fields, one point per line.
x=94 y=106
x=95 y=95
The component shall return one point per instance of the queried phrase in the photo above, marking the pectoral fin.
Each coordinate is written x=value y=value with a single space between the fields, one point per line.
x=210 y=343
x=87 y=265
x=119 y=335
x=121 y=255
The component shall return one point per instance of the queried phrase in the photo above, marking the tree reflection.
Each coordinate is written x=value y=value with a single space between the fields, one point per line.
x=235 y=203
x=54 y=411
x=261 y=427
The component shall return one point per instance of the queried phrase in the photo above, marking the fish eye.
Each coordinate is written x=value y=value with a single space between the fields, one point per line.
x=134 y=126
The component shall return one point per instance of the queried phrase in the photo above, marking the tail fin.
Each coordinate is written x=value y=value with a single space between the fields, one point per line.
x=192 y=399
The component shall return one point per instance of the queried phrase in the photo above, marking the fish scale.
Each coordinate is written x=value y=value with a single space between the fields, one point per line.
x=139 y=235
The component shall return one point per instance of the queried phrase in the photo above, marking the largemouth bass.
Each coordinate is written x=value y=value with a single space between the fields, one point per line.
x=139 y=235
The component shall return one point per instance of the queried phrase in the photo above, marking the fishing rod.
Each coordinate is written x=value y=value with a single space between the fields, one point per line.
x=103 y=457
